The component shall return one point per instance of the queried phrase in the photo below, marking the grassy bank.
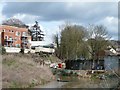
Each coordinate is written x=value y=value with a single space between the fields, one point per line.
x=20 y=70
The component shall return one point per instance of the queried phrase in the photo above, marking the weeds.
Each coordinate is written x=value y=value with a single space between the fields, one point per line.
x=15 y=85
x=9 y=62
x=94 y=76
x=32 y=84
x=18 y=70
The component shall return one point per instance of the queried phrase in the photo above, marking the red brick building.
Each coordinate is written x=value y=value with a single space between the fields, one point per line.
x=14 y=36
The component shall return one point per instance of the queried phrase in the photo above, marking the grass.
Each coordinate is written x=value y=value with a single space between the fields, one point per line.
x=15 y=85
x=9 y=62
x=30 y=64
x=32 y=84
x=94 y=76
x=52 y=58
x=20 y=71
x=43 y=81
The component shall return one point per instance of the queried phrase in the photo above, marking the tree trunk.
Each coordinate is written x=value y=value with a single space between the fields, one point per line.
x=93 y=65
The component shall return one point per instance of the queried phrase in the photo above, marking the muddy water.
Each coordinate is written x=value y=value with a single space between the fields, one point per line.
x=83 y=83
x=80 y=82
x=54 y=84
x=73 y=82
x=88 y=83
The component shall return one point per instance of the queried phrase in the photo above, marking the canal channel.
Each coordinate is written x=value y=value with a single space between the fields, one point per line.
x=109 y=81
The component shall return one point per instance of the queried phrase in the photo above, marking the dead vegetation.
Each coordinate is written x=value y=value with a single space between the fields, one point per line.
x=20 y=70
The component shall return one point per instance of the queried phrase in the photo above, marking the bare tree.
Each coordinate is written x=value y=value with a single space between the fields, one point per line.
x=97 y=41
x=71 y=41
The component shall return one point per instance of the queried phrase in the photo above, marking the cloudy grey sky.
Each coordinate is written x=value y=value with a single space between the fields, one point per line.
x=51 y=15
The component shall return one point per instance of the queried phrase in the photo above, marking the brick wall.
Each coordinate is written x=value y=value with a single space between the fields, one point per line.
x=12 y=36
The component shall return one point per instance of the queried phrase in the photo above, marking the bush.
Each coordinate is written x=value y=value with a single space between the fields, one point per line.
x=2 y=50
x=22 y=51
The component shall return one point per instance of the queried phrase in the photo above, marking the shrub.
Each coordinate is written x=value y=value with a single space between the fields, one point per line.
x=15 y=85
x=22 y=51
x=2 y=50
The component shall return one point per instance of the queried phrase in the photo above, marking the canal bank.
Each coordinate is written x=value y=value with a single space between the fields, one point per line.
x=84 y=83
x=52 y=84
x=97 y=80
x=21 y=71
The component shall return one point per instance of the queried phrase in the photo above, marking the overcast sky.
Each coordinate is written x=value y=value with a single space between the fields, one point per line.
x=51 y=15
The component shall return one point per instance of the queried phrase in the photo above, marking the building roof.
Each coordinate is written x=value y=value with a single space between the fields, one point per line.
x=108 y=52
x=7 y=27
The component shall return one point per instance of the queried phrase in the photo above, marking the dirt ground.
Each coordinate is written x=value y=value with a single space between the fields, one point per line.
x=23 y=71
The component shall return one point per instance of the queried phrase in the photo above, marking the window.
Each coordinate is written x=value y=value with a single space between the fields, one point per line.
x=17 y=33
x=18 y=45
x=6 y=37
x=24 y=34
x=10 y=38
x=15 y=38
x=3 y=30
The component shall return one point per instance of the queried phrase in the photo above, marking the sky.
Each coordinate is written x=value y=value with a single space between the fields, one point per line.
x=51 y=15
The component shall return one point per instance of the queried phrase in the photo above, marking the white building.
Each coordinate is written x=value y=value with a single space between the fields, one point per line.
x=37 y=43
